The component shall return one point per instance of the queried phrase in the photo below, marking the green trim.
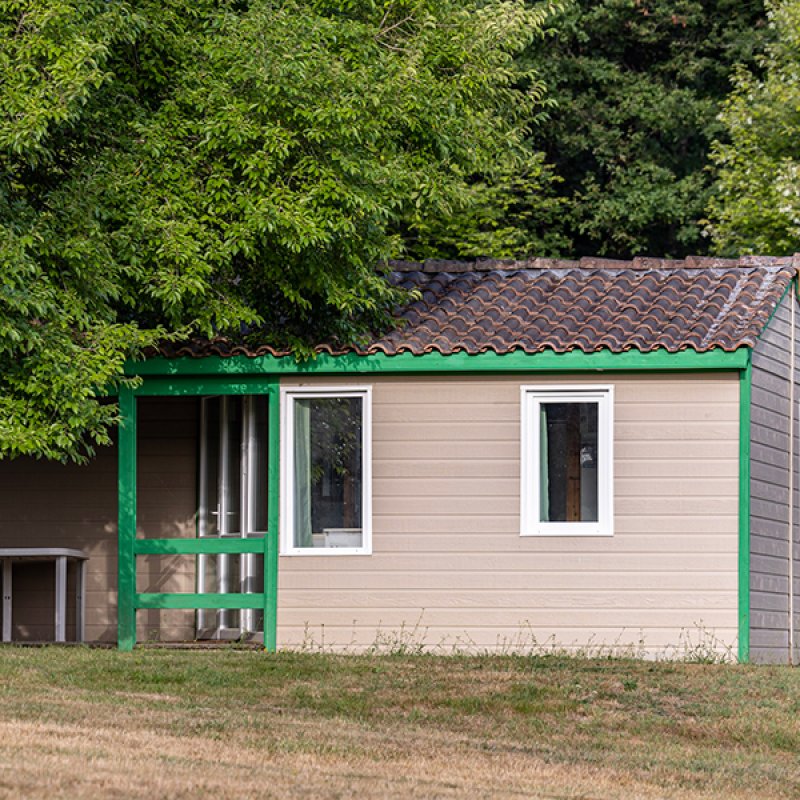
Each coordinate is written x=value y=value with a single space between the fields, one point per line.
x=189 y=547
x=273 y=520
x=129 y=601
x=547 y=361
x=179 y=600
x=126 y=521
x=745 y=386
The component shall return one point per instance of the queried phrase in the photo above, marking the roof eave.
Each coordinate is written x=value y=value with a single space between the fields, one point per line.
x=435 y=362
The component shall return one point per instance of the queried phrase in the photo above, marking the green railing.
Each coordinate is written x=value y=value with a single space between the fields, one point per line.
x=130 y=547
x=190 y=547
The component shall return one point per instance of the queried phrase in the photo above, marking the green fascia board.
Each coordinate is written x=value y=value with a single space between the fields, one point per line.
x=745 y=389
x=187 y=600
x=189 y=547
x=517 y=361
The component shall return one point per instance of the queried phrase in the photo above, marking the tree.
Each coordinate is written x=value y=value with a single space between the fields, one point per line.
x=222 y=166
x=637 y=86
x=757 y=209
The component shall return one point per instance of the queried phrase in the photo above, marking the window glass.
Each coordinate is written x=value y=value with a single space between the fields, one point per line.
x=568 y=462
x=328 y=472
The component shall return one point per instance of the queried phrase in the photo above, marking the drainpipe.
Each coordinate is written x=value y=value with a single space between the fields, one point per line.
x=791 y=482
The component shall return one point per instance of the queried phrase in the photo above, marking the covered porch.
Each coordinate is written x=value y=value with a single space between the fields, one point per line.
x=235 y=549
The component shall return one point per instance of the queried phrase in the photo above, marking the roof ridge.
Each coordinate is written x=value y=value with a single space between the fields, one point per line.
x=639 y=263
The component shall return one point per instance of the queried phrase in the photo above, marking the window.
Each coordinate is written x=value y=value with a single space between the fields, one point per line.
x=326 y=477
x=567 y=461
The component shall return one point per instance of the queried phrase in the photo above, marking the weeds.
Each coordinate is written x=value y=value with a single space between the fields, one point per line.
x=699 y=645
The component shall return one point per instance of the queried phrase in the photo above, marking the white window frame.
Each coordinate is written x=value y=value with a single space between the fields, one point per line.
x=532 y=398
x=288 y=395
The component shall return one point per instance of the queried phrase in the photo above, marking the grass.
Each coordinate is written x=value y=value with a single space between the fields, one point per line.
x=236 y=723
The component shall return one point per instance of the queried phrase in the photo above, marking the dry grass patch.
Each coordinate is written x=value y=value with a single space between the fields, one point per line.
x=82 y=723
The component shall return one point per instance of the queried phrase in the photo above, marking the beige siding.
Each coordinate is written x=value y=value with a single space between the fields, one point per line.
x=449 y=567
x=55 y=505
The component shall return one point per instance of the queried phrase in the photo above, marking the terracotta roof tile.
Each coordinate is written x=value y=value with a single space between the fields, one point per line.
x=550 y=304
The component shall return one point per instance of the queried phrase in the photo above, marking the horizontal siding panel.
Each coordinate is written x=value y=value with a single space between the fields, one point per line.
x=504 y=618
x=691 y=452
x=760 y=601
x=763 y=435
x=663 y=525
x=385 y=469
x=769 y=584
x=690 y=430
x=568 y=603
x=773 y=655
x=481 y=542
x=776 y=421
x=677 y=487
x=765 y=509
x=474 y=486
x=768 y=473
x=515 y=561
x=676 y=468
x=678 y=505
x=769 y=493
x=767 y=546
x=776 y=346
x=447 y=430
x=767 y=565
x=422 y=413
x=771 y=369
x=768 y=638
x=766 y=398
x=554 y=580
x=770 y=621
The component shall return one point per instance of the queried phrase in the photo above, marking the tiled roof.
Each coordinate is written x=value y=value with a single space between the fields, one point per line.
x=557 y=305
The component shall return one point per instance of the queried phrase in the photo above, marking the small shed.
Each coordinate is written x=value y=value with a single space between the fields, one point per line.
x=590 y=455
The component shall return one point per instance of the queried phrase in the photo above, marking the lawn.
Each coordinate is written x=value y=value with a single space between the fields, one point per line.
x=238 y=723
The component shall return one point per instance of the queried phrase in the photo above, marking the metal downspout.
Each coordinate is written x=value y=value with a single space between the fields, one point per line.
x=791 y=481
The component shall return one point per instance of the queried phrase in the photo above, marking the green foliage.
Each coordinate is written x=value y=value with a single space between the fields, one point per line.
x=757 y=209
x=638 y=86
x=169 y=168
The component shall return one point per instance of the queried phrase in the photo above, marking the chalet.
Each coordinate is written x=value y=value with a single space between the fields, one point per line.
x=544 y=453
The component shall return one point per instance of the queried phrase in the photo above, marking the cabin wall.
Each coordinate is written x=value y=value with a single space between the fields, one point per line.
x=770 y=536
x=449 y=567
x=65 y=505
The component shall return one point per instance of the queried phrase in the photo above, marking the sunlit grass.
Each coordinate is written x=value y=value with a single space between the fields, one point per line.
x=164 y=722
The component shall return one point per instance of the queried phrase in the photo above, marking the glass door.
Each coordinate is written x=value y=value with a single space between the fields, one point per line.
x=232 y=503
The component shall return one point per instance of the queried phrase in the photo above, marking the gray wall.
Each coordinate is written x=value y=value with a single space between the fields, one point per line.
x=769 y=491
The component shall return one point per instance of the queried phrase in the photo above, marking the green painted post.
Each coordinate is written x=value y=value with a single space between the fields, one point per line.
x=744 y=513
x=126 y=521
x=273 y=521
